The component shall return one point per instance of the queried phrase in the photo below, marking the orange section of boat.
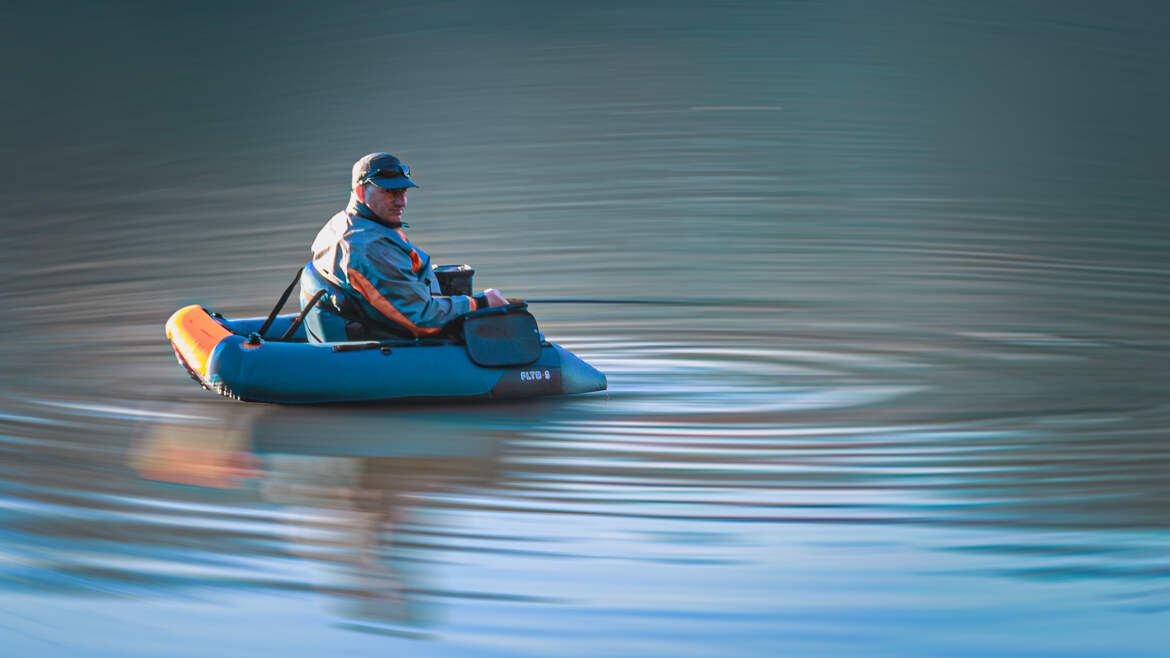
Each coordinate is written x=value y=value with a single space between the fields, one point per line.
x=194 y=333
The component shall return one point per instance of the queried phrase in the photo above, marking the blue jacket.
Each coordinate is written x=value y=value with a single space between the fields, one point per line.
x=376 y=279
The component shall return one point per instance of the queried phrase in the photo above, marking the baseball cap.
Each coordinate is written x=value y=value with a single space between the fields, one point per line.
x=383 y=170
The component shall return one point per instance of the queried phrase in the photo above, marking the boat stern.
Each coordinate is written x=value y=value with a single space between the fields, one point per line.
x=194 y=335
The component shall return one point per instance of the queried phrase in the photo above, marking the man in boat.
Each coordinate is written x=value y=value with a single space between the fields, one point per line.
x=378 y=284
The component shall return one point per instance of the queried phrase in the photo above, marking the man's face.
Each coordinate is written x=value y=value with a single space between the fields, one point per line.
x=386 y=204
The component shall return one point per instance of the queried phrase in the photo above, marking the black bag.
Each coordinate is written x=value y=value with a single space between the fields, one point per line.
x=454 y=279
x=502 y=336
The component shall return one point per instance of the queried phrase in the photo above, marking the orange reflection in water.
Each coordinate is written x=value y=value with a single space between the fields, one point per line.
x=170 y=455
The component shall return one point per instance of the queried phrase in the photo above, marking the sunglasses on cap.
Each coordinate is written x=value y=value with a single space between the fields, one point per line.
x=396 y=171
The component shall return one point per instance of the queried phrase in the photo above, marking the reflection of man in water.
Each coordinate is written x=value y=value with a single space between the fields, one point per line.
x=346 y=512
x=380 y=284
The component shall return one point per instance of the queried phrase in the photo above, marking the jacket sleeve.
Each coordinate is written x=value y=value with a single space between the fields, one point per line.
x=389 y=280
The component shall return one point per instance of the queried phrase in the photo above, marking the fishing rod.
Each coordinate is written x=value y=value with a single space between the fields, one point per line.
x=604 y=301
x=668 y=302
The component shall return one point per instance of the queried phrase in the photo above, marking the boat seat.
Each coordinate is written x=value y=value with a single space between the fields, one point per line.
x=336 y=317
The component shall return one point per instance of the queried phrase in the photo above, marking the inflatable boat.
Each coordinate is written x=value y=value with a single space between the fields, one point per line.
x=231 y=357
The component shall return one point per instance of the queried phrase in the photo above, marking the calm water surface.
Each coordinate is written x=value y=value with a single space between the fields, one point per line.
x=932 y=420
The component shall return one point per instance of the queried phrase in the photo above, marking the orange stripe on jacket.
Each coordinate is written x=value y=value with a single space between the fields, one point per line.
x=375 y=298
x=415 y=261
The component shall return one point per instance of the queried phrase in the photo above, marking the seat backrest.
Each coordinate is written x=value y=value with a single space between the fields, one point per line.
x=324 y=322
x=340 y=315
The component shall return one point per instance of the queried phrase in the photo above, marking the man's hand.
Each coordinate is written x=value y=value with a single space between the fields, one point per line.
x=495 y=298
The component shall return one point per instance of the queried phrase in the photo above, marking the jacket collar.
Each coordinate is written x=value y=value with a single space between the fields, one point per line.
x=358 y=209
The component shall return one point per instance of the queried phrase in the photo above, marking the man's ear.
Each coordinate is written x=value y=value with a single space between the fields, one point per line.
x=360 y=192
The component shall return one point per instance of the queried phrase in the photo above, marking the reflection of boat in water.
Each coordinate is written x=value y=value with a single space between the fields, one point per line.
x=348 y=482
x=227 y=356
